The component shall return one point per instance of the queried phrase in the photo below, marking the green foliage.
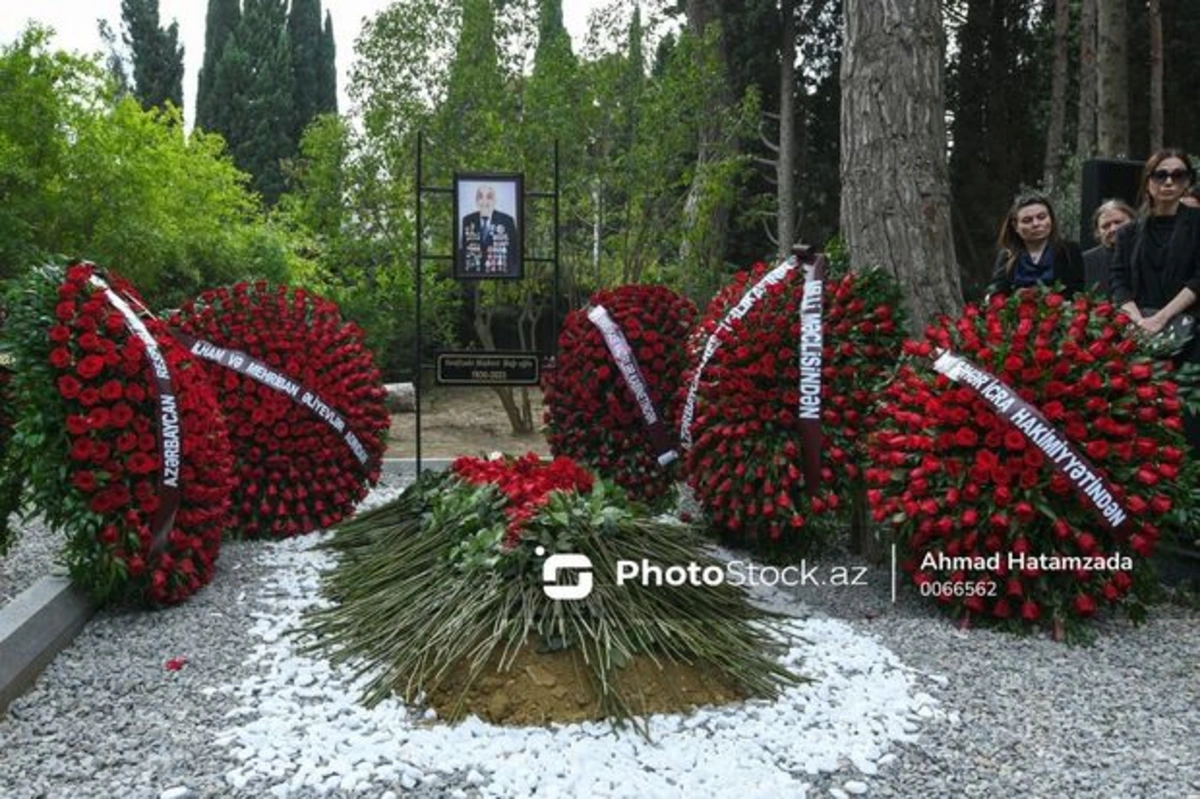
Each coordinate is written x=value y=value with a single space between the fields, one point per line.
x=352 y=230
x=254 y=76
x=220 y=22
x=304 y=33
x=157 y=55
x=327 y=99
x=39 y=427
x=86 y=175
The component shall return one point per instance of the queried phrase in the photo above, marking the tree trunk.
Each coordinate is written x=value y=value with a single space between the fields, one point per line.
x=1112 y=88
x=1086 y=144
x=785 y=189
x=895 y=183
x=483 y=329
x=1058 y=96
x=1156 y=75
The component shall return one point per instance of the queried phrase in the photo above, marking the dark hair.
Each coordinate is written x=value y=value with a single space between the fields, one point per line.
x=1012 y=245
x=1152 y=164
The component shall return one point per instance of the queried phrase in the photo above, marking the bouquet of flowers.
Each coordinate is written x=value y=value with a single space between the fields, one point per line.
x=592 y=412
x=958 y=479
x=303 y=400
x=746 y=463
x=138 y=478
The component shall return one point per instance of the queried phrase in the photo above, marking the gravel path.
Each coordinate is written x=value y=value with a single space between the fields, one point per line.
x=1031 y=717
x=957 y=713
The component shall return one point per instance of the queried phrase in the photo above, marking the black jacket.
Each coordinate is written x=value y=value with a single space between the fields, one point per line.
x=1096 y=263
x=1068 y=270
x=495 y=250
x=1182 y=264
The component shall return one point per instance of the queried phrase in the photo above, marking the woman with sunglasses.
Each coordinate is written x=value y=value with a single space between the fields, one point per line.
x=1155 y=274
x=1155 y=271
x=1031 y=250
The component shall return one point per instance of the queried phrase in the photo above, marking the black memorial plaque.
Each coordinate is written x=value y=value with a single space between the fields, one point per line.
x=475 y=368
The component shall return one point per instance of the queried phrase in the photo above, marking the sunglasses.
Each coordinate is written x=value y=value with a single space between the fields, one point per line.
x=1177 y=175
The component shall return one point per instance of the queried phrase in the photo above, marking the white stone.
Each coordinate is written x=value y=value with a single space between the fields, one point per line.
x=178 y=792
x=297 y=712
x=855 y=787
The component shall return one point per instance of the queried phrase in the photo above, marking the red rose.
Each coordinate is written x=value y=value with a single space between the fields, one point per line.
x=89 y=366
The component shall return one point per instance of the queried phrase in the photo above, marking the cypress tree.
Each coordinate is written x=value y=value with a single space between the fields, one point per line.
x=114 y=62
x=263 y=36
x=220 y=22
x=474 y=92
x=157 y=55
x=327 y=102
x=304 y=30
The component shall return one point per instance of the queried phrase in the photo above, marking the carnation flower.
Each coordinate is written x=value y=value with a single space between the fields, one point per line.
x=526 y=483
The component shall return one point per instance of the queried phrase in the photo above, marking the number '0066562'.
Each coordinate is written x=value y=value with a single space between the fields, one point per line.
x=950 y=588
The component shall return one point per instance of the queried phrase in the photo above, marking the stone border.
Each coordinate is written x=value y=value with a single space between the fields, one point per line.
x=408 y=466
x=34 y=627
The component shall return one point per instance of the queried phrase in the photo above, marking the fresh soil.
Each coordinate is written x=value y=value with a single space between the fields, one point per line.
x=465 y=420
x=543 y=687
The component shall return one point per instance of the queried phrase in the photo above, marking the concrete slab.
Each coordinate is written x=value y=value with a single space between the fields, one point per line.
x=34 y=627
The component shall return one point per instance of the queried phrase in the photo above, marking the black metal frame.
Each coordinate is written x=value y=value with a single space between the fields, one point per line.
x=420 y=255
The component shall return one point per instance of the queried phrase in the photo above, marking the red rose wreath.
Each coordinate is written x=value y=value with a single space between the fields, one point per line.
x=118 y=437
x=593 y=415
x=958 y=480
x=745 y=465
x=303 y=399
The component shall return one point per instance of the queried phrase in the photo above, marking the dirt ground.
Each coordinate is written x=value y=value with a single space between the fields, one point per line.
x=554 y=687
x=465 y=420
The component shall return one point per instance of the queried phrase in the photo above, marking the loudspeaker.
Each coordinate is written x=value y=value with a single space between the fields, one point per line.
x=1105 y=179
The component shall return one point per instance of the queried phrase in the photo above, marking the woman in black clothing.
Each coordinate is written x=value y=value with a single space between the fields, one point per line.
x=1156 y=264
x=1155 y=273
x=1031 y=250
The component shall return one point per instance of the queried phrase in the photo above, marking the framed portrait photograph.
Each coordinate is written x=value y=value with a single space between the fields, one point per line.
x=489 y=225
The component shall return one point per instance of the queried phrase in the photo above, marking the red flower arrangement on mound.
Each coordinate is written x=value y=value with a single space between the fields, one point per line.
x=100 y=376
x=526 y=483
x=955 y=479
x=591 y=413
x=745 y=465
x=294 y=471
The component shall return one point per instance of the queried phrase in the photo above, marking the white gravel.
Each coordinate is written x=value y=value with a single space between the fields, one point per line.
x=902 y=705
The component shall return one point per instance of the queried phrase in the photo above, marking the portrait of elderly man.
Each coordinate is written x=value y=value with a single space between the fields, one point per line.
x=489 y=243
